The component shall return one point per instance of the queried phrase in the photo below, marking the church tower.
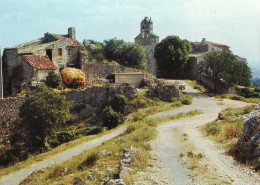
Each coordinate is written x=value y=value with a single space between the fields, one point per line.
x=148 y=40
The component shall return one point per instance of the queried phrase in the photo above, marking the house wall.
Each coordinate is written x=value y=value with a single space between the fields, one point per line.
x=130 y=78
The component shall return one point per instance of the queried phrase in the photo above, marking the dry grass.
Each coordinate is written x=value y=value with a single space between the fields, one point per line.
x=138 y=134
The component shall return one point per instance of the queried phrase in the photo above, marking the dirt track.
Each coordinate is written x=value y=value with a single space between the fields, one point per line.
x=220 y=168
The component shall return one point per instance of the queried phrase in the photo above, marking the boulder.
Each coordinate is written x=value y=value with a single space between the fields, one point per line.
x=164 y=91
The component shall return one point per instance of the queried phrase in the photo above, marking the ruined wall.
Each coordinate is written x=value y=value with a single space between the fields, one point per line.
x=9 y=110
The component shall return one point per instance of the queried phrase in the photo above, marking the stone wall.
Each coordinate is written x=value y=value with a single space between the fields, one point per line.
x=9 y=110
x=93 y=99
x=85 y=103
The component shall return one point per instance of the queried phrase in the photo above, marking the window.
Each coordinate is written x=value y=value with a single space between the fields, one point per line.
x=69 y=51
x=60 y=51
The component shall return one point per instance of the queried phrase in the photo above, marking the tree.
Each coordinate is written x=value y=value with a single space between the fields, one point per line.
x=43 y=110
x=172 y=54
x=111 y=118
x=127 y=54
x=53 y=79
x=224 y=68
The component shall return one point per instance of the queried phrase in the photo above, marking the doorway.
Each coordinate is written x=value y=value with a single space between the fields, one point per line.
x=49 y=53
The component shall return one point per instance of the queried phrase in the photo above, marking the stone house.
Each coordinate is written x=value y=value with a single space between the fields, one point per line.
x=148 y=40
x=53 y=49
x=198 y=51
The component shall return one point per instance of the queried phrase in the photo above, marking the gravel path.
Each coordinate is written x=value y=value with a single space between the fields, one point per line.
x=17 y=177
x=166 y=149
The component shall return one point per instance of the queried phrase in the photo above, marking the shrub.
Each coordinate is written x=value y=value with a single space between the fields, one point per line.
x=236 y=97
x=242 y=151
x=118 y=103
x=111 y=118
x=212 y=128
x=186 y=99
x=53 y=79
x=89 y=161
x=248 y=93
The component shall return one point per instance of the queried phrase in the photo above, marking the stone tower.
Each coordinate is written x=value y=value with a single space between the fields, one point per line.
x=148 y=40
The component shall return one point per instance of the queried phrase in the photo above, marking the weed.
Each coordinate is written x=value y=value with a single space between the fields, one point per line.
x=190 y=154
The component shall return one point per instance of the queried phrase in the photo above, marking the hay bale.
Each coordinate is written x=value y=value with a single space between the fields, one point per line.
x=73 y=77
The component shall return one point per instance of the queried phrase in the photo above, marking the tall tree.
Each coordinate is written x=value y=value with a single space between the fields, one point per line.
x=43 y=110
x=172 y=54
x=224 y=68
x=127 y=54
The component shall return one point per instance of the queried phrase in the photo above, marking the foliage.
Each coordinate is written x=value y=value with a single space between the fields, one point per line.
x=111 y=118
x=127 y=54
x=223 y=68
x=249 y=93
x=53 y=79
x=43 y=110
x=118 y=103
x=171 y=55
x=186 y=99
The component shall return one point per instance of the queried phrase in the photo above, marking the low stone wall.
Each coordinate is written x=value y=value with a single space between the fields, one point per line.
x=164 y=91
x=92 y=99
x=85 y=103
x=9 y=110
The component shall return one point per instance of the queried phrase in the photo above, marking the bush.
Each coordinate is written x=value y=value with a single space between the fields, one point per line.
x=248 y=93
x=212 y=129
x=111 y=118
x=89 y=161
x=53 y=79
x=186 y=99
x=118 y=103
x=236 y=97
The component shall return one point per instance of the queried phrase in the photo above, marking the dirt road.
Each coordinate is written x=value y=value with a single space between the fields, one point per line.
x=218 y=167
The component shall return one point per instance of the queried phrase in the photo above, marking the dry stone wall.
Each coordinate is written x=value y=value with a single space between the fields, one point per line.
x=9 y=110
x=85 y=103
x=93 y=99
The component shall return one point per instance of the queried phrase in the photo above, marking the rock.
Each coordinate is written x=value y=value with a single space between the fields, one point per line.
x=108 y=173
x=103 y=152
x=251 y=136
x=111 y=182
x=125 y=150
x=164 y=91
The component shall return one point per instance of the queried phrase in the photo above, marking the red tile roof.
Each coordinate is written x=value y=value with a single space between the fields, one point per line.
x=70 y=41
x=40 y=62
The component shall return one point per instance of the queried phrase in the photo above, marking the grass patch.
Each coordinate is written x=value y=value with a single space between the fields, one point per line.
x=194 y=84
x=227 y=128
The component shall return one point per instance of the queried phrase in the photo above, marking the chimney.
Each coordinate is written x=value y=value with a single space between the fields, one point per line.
x=72 y=32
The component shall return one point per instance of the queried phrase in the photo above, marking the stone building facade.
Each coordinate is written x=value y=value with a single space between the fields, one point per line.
x=148 y=40
x=61 y=50
x=198 y=51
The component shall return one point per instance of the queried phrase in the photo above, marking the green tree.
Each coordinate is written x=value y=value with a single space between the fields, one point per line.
x=43 y=110
x=172 y=54
x=118 y=103
x=224 y=68
x=127 y=54
x=111 y=118
x=53 y=79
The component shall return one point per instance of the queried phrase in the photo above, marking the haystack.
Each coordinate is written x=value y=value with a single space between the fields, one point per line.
x=73 y=77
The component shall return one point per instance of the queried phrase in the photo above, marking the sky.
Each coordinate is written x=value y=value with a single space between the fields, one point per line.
x=235 y=23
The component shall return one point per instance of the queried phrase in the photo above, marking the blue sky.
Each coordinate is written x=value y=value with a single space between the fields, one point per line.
x=232 y=22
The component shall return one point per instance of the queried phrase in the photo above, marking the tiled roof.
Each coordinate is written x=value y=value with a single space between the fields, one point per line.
x=40 y=62
x=70 y=41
